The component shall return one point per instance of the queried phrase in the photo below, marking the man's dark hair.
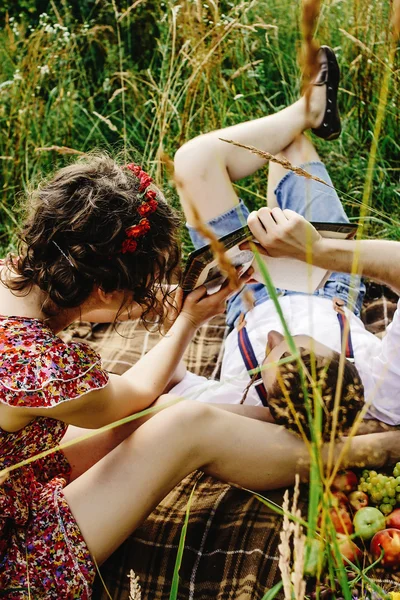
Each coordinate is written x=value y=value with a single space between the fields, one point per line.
x=326 y=382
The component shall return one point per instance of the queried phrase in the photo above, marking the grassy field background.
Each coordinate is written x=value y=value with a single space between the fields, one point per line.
x=142 y=77
x=139 y=78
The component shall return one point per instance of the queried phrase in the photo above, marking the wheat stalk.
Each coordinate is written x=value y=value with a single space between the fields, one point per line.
x=60 y=150
x=219 y=251
x=309 y=47
x=396 y=19
x=280 y=161
x=284 y=549
x=291 y=563
x=299 y=546
x=135 y=591
x=216 y=245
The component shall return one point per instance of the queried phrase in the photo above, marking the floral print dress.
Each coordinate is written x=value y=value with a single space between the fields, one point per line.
x=41 y=546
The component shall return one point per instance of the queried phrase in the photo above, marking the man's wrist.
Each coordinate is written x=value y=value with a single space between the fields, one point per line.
x=320 y=250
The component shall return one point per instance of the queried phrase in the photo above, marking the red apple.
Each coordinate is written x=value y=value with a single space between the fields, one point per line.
x=345 y=481
x=349 y=549
x=341 y=520
x=358 y=500
x=387 y=540
x=393 y=520
x=340 y=499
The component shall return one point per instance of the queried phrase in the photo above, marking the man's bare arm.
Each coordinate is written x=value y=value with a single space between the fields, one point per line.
x=377 y=259
x=287 y=234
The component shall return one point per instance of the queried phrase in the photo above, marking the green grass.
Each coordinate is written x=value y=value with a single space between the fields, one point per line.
x=160 y=76
x=146 y=80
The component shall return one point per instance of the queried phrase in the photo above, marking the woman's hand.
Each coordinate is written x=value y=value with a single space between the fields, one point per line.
x=282 y=233
x=199 y=307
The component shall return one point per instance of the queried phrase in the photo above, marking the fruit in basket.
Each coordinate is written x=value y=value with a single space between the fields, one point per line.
x=368 y=521
x=341 y=520
x=345 y=481
x=387 y=540
x=348 y=549
x=383 y=490
x=393 y=520
x=358 y=500
x=386 y=509
x=315 y=557
x=340 y=499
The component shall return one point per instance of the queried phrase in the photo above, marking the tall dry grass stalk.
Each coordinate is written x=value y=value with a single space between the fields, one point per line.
x=292 y=548
x=135 y=590
x=218 y=249
x=309 y=46
x=280 y=161
x=61 y=150
x=395 y=20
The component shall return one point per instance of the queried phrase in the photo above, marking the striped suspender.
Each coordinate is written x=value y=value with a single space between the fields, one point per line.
x=250 y=360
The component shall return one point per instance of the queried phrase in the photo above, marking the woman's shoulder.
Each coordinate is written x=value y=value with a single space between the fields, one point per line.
x=39 y=369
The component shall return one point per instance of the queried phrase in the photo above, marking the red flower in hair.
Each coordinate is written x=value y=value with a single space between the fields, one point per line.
x=135 y=231
x=145 y=181
x=135 y=169
x=128 y=245
x=146 y=208
x=145 y=226
x=151 y=195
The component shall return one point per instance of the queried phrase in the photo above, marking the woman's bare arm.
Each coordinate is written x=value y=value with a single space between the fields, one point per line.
x=143 y=383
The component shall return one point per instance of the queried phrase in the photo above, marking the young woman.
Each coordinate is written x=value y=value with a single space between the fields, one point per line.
x=99 y=240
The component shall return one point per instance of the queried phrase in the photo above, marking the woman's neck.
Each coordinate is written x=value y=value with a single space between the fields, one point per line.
x=30 y=306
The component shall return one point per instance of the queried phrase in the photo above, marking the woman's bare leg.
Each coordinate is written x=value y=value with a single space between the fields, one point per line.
x=84 y=454
x=205 y=166
x=113 y=497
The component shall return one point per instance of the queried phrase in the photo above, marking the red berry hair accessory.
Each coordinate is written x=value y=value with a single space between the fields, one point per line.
x=147 y=207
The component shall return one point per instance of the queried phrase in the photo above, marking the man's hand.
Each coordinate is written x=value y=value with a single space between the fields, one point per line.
x=282 y=233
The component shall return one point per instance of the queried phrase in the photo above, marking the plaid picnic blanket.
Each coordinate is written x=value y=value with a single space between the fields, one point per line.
x=231 y=548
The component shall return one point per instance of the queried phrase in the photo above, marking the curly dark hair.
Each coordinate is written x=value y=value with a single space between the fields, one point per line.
x=73 y=233
x=326 y=380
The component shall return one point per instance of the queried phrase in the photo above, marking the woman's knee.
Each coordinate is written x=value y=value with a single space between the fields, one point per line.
x=190 y=421
x=186 y=426
x=190 y=414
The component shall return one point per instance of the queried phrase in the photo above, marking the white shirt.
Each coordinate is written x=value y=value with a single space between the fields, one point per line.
x=377 y=361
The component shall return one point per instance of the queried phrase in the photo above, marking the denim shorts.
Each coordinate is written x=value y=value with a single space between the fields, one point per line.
x=316 y=202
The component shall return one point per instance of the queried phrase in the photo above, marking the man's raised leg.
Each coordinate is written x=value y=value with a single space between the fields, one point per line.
x=206 y=166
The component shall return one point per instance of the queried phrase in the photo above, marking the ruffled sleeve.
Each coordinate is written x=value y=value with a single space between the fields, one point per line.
x=38 y=369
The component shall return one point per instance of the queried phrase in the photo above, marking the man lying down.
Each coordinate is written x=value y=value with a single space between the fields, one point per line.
x=205 y=168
